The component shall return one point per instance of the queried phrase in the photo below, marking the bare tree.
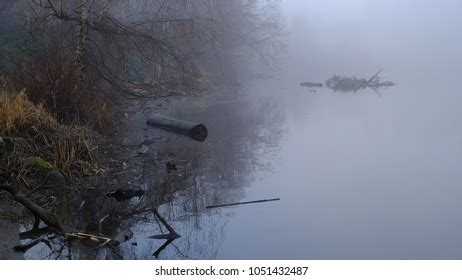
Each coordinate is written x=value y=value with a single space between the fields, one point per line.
x=86 y=50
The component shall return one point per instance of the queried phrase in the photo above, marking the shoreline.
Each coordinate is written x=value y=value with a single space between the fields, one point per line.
x=123 y=166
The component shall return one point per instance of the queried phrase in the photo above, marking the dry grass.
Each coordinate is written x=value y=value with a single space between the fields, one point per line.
x=20 y=118
x=72 y=150
x=38 y=135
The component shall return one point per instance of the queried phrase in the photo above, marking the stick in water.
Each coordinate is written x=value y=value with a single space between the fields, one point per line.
x=239 y=203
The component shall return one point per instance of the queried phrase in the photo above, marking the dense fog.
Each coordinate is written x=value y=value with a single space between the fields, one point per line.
x=346 y=111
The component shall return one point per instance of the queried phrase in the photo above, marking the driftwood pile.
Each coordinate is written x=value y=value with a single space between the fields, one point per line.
x=351 y=84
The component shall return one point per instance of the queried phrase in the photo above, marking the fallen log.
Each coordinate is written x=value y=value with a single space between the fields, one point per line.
x=310 y=84
x=239 y=203
x=195 y=131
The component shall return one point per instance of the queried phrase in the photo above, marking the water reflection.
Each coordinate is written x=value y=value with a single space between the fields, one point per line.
x=345 y=84
x=244 y=135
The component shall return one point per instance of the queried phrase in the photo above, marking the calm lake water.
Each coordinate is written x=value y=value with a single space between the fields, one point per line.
x=360 y=176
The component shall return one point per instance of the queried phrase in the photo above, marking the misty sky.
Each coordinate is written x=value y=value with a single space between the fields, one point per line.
x=408 y=34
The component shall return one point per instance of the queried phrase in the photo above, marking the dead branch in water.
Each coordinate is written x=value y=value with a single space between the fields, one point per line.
x=349 y=84
x=161 y=248
x=25 y=247
x=85 y=236
x=172 y=233
x=170 y=237
x=374 y=77
x=239 y=203
x=38 y=212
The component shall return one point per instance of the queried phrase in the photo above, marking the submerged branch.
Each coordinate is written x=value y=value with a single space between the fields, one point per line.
x=36 y=210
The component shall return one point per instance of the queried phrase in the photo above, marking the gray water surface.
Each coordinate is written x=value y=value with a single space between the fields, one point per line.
x=360 y=176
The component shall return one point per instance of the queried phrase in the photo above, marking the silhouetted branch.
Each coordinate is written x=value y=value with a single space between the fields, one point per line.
x=36 y=210
x=240 y=203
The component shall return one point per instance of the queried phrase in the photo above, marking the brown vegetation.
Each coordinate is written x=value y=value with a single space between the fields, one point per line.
x=39 y=143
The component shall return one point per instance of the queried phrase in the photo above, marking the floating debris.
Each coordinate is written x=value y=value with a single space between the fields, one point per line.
x=86 y=236
x=119 y=237
x=352 y=84
x=310 y=84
